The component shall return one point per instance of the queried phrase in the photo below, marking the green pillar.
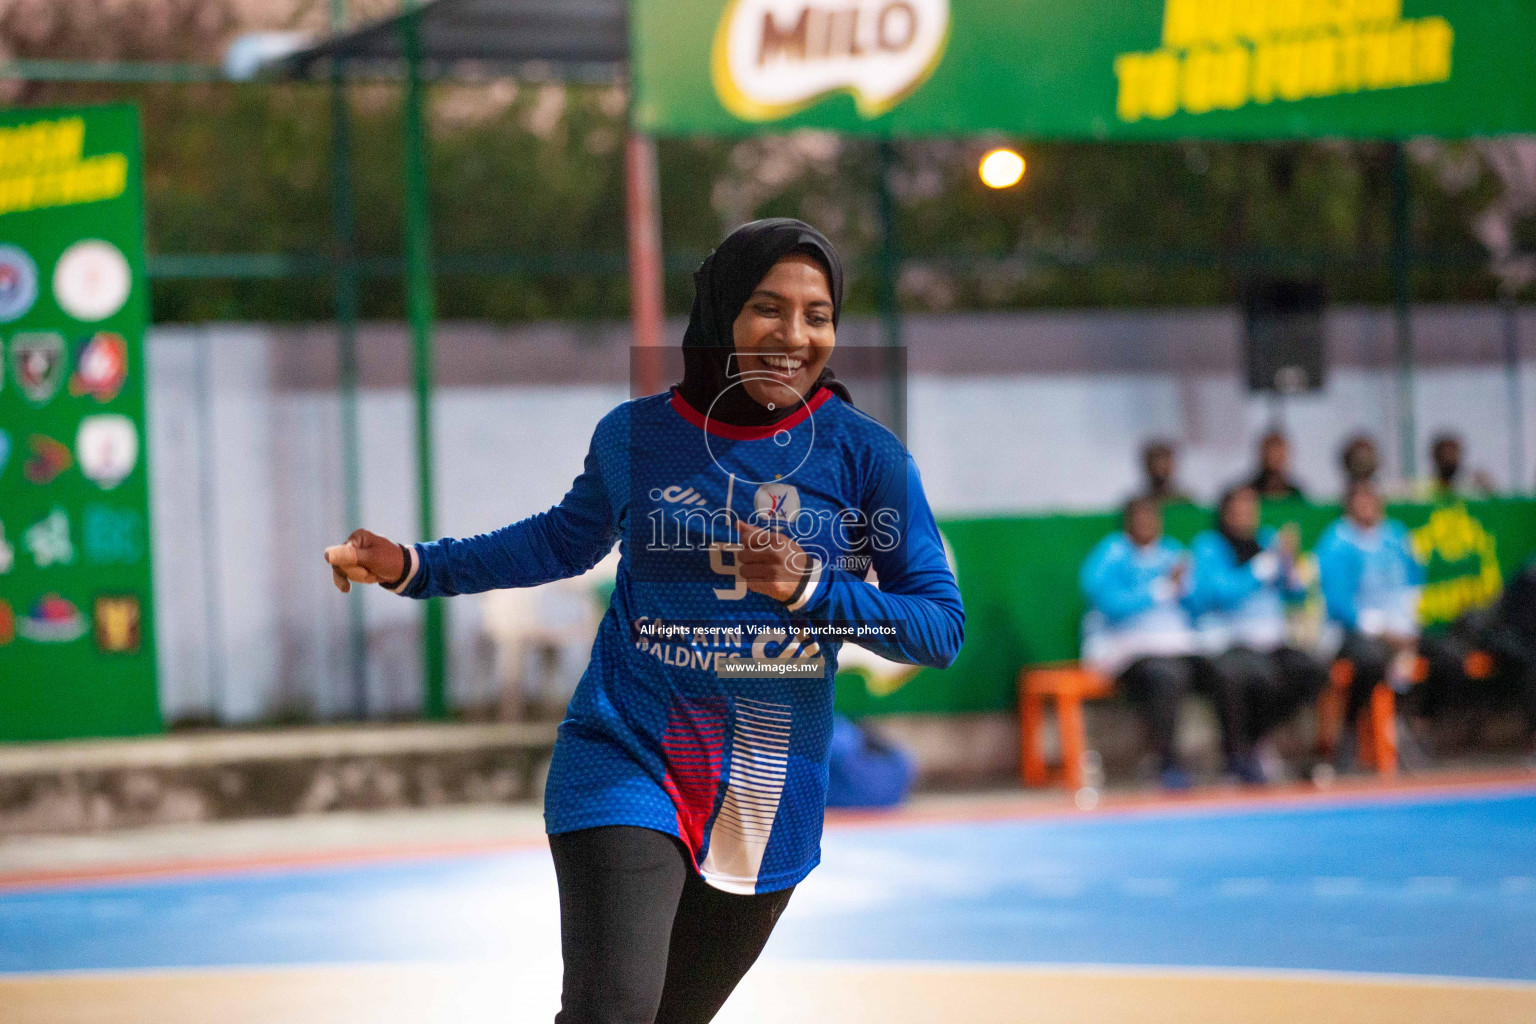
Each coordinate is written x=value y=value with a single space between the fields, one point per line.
x=886 y=296
x=1402 y=287
x=344 y=240
x=419 y=302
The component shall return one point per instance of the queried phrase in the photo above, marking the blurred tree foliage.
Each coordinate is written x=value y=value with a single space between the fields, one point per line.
x=527 y=197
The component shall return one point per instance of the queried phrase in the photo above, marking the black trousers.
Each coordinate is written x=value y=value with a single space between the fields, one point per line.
x=1157 y=685
x=1447 y=690
x=1271 y=687
x=1514 y=656
x=646 y=940
x=1371 y=658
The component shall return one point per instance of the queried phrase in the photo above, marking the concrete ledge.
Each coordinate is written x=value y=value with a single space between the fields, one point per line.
x=267 y=745
x=109 y=784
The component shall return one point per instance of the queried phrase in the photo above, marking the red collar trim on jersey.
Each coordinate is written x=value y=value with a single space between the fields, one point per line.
x=735 y=433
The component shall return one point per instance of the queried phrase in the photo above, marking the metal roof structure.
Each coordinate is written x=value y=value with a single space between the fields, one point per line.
x=576 y=40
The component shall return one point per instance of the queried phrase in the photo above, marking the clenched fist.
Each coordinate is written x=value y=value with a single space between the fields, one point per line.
x=771 y=563
x=366 y=558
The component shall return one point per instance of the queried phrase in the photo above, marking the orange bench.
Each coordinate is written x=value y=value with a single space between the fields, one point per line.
x=1376 y=729
x=1070 y=684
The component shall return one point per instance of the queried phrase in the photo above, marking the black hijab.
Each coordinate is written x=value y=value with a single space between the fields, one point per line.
x=721 y=287
x=1245 y=548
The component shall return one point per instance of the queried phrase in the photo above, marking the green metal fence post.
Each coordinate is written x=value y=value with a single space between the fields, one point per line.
x=419 y=301
x=344 y=237
x=1402 y=286
x=886 y=290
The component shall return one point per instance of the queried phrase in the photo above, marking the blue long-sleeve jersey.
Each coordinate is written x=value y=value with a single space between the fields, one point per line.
x=1135 y=609
x=1241 y=605
x=662 y=731
x=1370 y=578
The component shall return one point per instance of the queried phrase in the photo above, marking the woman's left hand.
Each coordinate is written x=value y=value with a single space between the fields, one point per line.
x=770 y=563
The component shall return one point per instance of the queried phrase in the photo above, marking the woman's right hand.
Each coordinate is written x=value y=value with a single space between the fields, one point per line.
x=365 y=558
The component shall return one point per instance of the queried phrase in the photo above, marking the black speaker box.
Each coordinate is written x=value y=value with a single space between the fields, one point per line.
x=1284 y=335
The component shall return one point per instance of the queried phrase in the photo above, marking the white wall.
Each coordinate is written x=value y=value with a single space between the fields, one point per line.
x=247 y=488
x=991 y=445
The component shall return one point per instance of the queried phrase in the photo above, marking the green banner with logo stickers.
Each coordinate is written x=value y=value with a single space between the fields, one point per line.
x=77 y=653
x=1087 y=69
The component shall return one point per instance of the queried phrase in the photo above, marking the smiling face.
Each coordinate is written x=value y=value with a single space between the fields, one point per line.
x=784 y=334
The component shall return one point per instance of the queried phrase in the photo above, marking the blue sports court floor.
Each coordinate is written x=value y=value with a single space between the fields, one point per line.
x=1408 y=905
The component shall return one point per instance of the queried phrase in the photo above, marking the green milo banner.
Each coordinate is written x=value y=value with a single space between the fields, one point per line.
x=1018 y=577
x=77 y=653
x=1086 y=69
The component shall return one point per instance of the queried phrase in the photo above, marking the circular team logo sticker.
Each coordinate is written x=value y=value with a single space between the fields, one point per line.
x=18 y=283
x=777 y=502
x=92 y=280
x=101 y=366
x=107 y=448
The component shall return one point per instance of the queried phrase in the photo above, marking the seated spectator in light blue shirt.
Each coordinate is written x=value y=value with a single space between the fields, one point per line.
x=1138 y=629
x=1371 y=580
x=1244 y=580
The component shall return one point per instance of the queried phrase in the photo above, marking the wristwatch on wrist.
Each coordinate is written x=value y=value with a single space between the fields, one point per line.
x=405 y=569
x=805 y=579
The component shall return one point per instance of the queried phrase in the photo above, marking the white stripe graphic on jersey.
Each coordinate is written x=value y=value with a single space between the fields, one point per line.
x=759 y=762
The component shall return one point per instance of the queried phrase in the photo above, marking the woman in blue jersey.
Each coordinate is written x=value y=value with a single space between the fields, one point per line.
x=686 y=794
